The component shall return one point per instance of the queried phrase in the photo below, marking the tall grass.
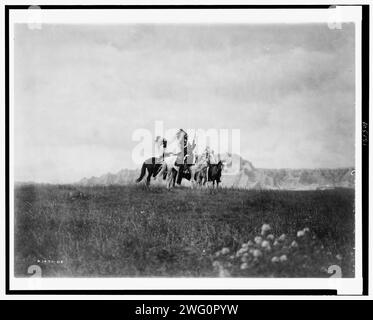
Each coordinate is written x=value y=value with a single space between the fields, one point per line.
x=133 y=231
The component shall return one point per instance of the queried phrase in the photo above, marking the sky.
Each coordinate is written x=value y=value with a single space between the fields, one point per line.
x=81 y=91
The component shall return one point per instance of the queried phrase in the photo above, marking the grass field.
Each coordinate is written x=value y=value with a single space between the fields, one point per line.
x=132 y=231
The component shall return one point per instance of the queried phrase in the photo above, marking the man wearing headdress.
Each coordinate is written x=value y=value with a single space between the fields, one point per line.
x=185 y=157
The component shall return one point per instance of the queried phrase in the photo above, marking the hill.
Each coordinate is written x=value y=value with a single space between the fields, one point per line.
x=246 y=176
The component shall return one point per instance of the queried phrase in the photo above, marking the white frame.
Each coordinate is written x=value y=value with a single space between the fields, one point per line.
x=350 y=14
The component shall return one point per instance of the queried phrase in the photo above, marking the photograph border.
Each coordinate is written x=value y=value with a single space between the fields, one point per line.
x=275 y=292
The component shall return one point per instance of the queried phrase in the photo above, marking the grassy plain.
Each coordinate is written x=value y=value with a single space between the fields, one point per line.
x=119 y=231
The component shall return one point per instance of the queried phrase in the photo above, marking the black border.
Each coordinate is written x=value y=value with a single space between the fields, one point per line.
x=280 y=292
x=365 y=151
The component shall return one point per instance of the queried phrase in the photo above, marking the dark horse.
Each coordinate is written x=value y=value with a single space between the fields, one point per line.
x=210 y=173
x=153 y=169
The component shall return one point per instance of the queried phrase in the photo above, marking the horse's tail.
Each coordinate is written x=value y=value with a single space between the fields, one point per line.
x=143 y=171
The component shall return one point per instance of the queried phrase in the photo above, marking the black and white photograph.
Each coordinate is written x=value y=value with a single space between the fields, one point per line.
x=211 y=149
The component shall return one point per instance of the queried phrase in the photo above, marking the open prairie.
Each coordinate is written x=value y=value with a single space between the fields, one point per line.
x=120 y=231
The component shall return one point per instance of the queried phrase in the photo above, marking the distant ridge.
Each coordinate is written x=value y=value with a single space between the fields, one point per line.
x=249 y=177
x=123 y=177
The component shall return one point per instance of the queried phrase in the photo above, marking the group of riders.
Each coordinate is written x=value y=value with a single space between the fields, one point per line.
x=181 y=148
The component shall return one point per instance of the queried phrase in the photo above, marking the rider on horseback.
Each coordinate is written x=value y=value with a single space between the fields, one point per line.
x=179 y=147
x=160 y=150
x=205 y=159
x=185 y=158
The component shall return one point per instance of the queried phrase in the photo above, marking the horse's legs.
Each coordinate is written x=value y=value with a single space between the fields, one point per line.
x=174 y=174
x=192 y=177
x=155 y=171
x=148 y=177
x=143 y=172
x=199 y=178
x=162 y=169
x=180 y=174
x=169 y=179
x=172 y=179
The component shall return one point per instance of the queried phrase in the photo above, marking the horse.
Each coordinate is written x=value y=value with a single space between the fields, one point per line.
x=180 y=171
x=167 y=169
x=210 y=173
x=153 y=169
